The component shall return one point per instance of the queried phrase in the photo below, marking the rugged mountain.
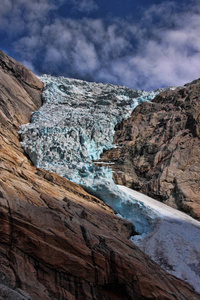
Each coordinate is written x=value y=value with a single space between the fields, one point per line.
x=158 y=149
x=75 y=123
x=56 y=240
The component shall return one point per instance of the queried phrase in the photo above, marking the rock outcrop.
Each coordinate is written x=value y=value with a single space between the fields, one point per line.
x=158 y=149
x=56 y=240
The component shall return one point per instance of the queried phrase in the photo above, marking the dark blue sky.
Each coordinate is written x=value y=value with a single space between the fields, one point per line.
x=141 y=44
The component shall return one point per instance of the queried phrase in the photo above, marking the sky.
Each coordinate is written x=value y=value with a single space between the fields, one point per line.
x=144 y=44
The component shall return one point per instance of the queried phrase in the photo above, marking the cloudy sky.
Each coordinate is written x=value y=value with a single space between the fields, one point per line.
x=143 y=44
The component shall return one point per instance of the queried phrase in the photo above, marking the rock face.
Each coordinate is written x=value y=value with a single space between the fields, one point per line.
x=158 y=149
x=56 y=240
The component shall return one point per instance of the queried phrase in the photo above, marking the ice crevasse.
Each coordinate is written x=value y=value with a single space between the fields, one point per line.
x=72 y=128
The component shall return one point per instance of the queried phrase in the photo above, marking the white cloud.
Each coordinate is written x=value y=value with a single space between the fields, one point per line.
x=85 y=56
x=84 y=5
x=29 y=65
x=165 y=55
x=162 y=50
x=20 y=17
x=6 y=7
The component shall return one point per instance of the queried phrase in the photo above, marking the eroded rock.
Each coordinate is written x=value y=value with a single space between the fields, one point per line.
x=56 y=240
x=158 y=149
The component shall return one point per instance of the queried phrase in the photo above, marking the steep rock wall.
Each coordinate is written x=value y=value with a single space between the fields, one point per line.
x=158 y=149
x=56 y=240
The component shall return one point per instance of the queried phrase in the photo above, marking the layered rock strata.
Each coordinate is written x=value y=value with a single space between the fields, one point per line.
x=56 y=240
x=158 y=149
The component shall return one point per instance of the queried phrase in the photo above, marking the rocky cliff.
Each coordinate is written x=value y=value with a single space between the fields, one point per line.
x=56 y=240
x=158 y=149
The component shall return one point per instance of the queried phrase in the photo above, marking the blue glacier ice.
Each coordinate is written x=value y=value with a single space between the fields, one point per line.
x=73 y=127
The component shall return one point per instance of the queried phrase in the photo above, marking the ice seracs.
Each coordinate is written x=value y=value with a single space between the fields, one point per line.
x=72 y=128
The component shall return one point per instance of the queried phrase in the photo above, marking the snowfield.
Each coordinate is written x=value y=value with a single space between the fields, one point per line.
x=174 y=243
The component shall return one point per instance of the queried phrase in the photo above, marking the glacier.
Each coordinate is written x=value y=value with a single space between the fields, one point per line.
x=69 y=132
x=73 y=127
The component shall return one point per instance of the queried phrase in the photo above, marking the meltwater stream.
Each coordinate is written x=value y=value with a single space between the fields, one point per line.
x=72 y=128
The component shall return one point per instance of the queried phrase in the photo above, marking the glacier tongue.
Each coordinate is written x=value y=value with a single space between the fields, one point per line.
x=174 y=243
x=72 y=128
